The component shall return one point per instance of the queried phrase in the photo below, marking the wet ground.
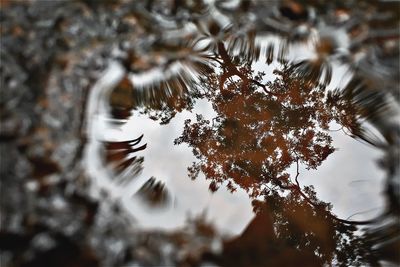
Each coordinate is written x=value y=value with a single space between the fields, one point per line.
x=215 y=133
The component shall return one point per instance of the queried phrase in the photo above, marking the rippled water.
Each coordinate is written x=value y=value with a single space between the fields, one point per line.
x=354 y=189
x=190 y=133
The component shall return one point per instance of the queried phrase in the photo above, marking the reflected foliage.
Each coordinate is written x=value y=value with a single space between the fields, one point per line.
x=261 y=130
x=257 y=136
x=287 y=230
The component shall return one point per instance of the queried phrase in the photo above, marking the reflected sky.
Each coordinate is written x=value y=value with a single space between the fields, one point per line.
x=349 y=179
x=168 y=162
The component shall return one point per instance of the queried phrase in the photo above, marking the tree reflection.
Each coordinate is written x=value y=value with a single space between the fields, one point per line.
x=260 y=129
x=287 y=230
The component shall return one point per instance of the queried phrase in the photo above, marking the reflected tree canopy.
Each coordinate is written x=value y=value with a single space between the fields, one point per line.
x=260 y=130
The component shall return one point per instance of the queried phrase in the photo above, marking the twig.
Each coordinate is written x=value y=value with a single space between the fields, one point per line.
x=232 y=70
x=361 y=212
x=297 y=173
x=306 y=198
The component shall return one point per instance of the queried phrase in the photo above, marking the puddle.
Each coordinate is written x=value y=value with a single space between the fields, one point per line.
x=199 y=133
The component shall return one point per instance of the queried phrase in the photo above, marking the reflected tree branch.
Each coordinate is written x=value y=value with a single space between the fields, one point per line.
x=298 y=190
x=361 y=212
x=297 y=173
x=232 y=71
